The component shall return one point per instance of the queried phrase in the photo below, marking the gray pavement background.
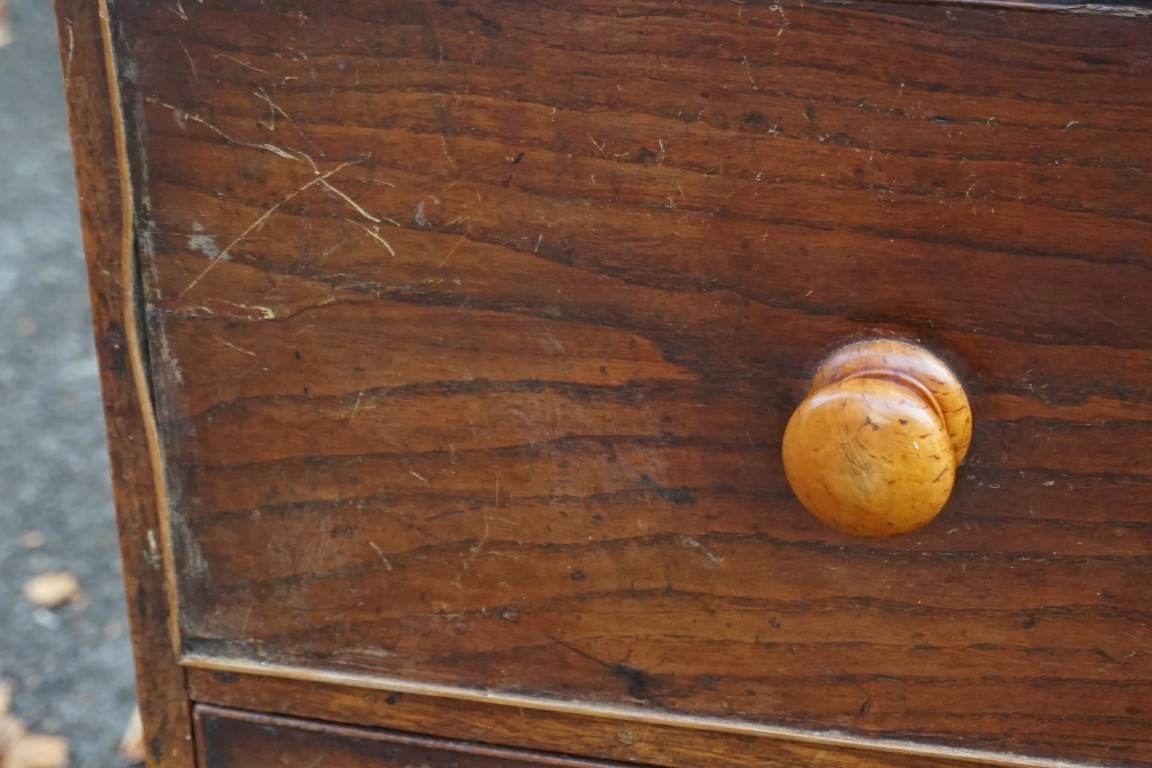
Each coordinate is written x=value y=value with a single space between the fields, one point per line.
x=71 y=668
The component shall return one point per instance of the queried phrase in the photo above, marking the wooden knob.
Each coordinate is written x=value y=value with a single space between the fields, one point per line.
x=874 y=447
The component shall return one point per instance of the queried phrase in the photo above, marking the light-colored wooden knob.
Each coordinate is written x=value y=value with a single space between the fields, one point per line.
x=874 y=447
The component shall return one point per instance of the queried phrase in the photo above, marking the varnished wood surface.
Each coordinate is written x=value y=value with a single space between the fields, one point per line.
x=475 y=326
x=108 y=243
x=233 y=739
x=632 y=740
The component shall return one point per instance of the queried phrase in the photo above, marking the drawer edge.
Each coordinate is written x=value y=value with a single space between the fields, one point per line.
x=299 y=691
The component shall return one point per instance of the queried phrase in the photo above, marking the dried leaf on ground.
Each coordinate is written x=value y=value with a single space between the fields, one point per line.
x=38 y=751
x=132 y=745
x=51 y=590
x=33 y=539
x=11 y=731
x=5 y=24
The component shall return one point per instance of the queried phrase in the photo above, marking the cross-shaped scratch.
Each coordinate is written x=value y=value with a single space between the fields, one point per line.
x=259 y=222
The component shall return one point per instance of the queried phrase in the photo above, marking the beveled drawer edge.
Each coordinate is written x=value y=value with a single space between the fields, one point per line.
x=521 y=757
x=832 y=739
x=537 y=730
x=1124 y=10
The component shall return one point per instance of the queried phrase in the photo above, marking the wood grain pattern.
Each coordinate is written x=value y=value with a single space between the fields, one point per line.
x=530 y=728
x=475 y=327
x=106 y=216
x=232 y=739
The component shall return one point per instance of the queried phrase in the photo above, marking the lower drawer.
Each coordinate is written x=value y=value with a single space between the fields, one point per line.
x=235 y=739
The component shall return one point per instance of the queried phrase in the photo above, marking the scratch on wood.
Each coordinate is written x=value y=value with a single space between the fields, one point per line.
x=452 y=250
x=475 y=550
x=259 y=222
x=784 y=23
x=696 y=545
x=555 y=342
x=181 y=115
x=748 y=71
x=191 y=63
x=374 y=233
x=242 y=63
x=322 y=547
x=275 y=108
x=448 y=157
x=355 y=206
x=379 y=552
x=266 y=313
x=248 y=352
x=272 y=110
x=246 y=371
x=484 y=539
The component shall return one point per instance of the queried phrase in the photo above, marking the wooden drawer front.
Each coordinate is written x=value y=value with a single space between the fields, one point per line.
x=234 y=739
x=475 y=326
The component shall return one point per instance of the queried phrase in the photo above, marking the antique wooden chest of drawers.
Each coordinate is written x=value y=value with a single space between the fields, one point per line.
x=448 y=349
